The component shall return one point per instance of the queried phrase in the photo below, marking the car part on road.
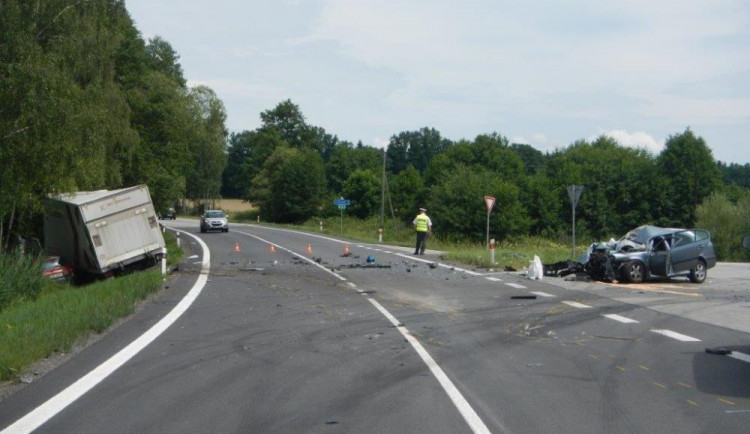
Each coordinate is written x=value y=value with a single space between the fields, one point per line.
x=523 y=297
x=719 y=351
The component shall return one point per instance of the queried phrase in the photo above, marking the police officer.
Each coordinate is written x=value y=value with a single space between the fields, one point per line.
x=423 y=226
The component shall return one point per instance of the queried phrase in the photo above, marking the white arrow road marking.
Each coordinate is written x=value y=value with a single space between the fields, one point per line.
x=577 y=304
x=619 y=318
x=57 y=403
x=675 y=335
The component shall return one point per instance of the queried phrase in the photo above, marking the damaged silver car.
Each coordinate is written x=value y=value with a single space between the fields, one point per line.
x=651 y=251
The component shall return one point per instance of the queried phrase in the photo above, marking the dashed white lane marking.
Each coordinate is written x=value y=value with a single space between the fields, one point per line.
x=516 y=285
x=468 y=413
x=675 y=335
x=494 y=279
x=57 y=403
x=542 y=294
x=619 y=318
x=740 y=356
x=352 y=285
x=577 y=304
x=470 y=416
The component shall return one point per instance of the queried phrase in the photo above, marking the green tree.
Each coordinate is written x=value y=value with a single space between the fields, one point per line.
x=488 y=151
x=407 y=190
x=533 y=160
x=417 y=148
x=457 y=207
x=209 y=146
x=290 y=186
x=363 y=189
x=622 y=186
x=692 y=175
x=728 y=222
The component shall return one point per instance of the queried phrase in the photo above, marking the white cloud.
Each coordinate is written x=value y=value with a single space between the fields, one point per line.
x=379 y=143
x=635 y=139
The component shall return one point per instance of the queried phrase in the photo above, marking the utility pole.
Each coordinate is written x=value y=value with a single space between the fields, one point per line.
x=382 y=196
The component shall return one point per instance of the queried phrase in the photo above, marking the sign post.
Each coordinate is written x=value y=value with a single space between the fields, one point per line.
x=342 y=204
x=490 y=202
x=574 y=193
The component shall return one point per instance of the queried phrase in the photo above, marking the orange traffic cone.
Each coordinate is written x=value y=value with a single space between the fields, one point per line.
x=272 y=248
x=308 y=250
x=236 y=247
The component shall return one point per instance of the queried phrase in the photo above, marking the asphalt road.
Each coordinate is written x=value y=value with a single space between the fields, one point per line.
x=294 y=342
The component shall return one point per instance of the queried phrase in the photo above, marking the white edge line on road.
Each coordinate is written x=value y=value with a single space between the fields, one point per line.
x=543 y=294
x=338 y=276
x=577 y=304
x=470 y=416
x=675 y=335
x=619 y=318
x=740 y=356
x=57 y=403
x=516 y=285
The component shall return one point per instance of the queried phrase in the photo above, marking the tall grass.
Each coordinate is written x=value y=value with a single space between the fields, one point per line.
x=514 y=253
x=20 y=278
x=62 y=313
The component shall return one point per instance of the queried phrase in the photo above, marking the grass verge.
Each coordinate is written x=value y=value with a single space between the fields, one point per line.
x=174 y=254
x=62 y=313
x=57 y=315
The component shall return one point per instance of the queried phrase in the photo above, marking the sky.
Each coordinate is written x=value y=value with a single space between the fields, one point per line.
x=545 y=73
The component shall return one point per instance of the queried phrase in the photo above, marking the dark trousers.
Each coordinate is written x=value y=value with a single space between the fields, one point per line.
x=421 y=243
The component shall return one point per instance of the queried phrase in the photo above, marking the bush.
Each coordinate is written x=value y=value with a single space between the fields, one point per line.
x=20 y=277
x=728 y=222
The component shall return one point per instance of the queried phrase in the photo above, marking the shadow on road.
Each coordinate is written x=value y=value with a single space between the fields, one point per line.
x=722 y=374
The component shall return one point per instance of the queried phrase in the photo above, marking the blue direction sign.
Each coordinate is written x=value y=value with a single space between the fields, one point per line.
x=341 y=202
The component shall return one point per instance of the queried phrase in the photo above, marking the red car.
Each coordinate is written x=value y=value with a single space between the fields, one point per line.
x=54 y=270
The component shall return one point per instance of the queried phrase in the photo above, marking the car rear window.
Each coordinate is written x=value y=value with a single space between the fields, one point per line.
x=701 y=235
x=683 y=238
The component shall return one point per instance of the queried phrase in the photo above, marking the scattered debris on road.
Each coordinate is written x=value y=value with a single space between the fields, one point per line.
x=719 y=351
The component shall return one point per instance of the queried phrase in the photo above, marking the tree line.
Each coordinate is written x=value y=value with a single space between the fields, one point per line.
x=293 y=171
x=88 y=104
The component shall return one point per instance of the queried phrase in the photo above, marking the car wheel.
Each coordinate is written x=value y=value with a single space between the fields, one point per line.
x=698 y=273
x=225 y=230
x=203 y=230
x=634 y=272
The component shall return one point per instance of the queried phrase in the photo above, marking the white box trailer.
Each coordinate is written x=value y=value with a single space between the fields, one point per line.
x=101 y=231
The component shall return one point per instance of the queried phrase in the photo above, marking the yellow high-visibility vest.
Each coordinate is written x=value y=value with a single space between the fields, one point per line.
x=422 y=223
